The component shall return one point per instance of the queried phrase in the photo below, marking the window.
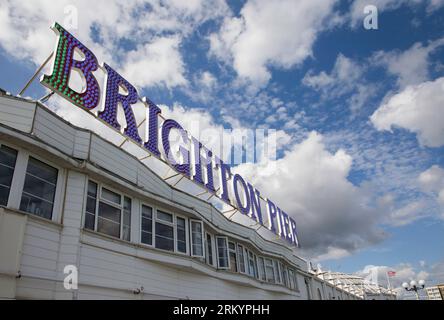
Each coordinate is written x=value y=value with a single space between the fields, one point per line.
x=269 y=270
x=91 y=204
x=181 y=235
x=197 y=238
x=110 y=213
x=164 y=231
x=233 y=256
x=284 y=274
x=261 y=268
x=126 y=223
x=291 y=279
x=296 y=286
x=222 y=252
x=241 y=257
x=147 y=225
x=252 y=266
x=39 y=189
x=8 y=158
x=209 y=250
x=277 y=272
x=107 y=212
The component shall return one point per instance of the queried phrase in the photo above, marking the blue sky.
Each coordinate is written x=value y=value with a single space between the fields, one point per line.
x=360 y=110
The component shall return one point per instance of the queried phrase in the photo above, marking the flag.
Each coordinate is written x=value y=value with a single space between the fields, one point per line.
x=391 y=273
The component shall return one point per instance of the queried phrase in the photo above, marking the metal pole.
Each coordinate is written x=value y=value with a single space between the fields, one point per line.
x=36 y=74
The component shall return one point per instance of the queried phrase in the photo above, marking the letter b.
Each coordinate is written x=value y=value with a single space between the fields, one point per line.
x=63 y=64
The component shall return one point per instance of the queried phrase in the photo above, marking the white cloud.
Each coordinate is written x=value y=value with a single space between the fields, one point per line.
x=332 y=254
x=155 y=27
x=346 y=78
x=156 y=62
x=407 y=214
x=270 y=34
x=410 y=66
x=417 y=108
x=311 y=185
x=432 y=181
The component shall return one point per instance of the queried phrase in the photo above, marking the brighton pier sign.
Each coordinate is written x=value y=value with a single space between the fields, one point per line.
x=233 y=189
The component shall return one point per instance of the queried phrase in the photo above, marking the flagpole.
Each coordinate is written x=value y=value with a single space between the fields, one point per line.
x=388 y=282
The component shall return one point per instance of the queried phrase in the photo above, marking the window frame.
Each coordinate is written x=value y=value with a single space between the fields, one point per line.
x=171 y=224
x=213 y=251
x=152 y=224
x=238 y=245
x=277 y=272
x=217 y=252
x=230 y=251
x=187 y=238
x=264 y=278
x=19 y=177
x=252 y=258
x=202 y=231
x=268 y=279
x=8 y=200
x=99 y=198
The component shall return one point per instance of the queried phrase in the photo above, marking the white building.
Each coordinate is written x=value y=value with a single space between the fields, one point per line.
x=71 y=198
x=357 y=285
x=433 y=293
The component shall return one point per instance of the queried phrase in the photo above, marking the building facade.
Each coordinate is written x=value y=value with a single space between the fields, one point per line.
x=74 y=204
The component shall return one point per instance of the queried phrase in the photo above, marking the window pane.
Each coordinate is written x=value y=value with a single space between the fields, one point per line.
x=91 y=205
x=89 y=221
x=277 y=274
x=147 y=238
x=92 y=189
x=147 y=225
x=233 y=256
x=108 y=227
x=91 y=201
x=252 y=267
x=39 y=189
x=6 y=175
x=147 y=212
x=164 y=216
x=109 y=212
x=261 y=268
x=8 y=158
x=240 y=252
x=269 y=270
x=164 y=237
x=209 y=250
x=126 y=219
x=42 y=170
x=4 y=195
x=111 y=196
x=181 y=235
x=126 y=233
x=222 y=252
x=196 y=238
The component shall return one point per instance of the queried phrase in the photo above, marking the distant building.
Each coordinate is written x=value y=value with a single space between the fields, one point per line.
x=433 y=293
x=356 y=285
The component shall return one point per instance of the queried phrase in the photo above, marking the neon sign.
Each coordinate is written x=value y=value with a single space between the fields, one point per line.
x=233 y=190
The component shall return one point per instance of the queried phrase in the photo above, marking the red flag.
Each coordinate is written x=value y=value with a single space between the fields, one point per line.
x=391 y=273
